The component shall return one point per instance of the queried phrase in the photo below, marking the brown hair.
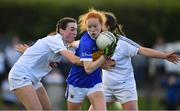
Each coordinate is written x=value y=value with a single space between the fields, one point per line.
x=112 y=24
x=62 y=24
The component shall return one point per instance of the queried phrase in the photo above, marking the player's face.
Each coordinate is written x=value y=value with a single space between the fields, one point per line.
x=94 y=27
x=70 y=32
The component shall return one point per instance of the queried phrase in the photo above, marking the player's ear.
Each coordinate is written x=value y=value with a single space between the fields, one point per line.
x=61 y=31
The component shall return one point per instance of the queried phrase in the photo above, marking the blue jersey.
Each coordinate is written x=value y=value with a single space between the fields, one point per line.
x=78 y=76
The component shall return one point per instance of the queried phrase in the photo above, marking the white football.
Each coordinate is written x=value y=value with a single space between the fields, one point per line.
x=104 y=39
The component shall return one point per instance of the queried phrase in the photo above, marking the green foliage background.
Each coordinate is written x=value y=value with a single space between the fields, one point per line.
x=141 y=19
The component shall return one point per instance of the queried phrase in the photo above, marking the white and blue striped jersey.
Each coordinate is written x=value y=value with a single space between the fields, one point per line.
x=78 y=76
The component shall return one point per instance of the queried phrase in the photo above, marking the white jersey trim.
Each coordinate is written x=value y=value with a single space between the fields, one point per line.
x=86 y=59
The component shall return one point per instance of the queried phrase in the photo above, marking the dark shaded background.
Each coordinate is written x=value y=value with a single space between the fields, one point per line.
x=141 y=19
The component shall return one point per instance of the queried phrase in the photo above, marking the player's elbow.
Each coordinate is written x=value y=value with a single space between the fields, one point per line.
x=88 y=70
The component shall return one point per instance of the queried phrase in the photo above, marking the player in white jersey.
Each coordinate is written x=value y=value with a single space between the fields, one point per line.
x=119 y=82
x=25 y=76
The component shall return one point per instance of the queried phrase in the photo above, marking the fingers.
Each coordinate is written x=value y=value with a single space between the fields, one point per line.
x=18 y=47
x=173 y=61
x=25 y=45
x=172 y=57
x=54 y=64
x=21 y=47
x=176 y=60
x=109 y=64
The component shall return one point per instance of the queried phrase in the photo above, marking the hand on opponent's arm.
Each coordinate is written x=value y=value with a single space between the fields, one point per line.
x=108 y=64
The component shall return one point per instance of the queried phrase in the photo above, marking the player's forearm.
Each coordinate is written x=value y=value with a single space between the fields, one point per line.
x=77 y=61
x=92 y=66
x=71 y=57
x=152 y=53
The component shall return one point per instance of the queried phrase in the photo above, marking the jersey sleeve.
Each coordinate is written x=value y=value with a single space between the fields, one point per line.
x=131 y=49
x=125 y=48
x=55 y=43
x=130 y=41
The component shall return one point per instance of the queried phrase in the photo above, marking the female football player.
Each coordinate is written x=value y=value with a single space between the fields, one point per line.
x=85 y=81
x=25 y=76
x=119 y=82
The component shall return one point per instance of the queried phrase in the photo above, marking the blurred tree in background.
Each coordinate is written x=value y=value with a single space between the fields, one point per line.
x=32 y=19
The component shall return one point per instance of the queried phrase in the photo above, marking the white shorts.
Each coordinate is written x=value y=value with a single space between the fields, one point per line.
x=124 y=93
x=21 y=81
x=77 y=95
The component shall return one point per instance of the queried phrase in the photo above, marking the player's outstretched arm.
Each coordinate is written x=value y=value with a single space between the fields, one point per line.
x=171 y=57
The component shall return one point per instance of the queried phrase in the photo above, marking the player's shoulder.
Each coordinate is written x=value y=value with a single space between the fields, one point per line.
x=129 y=41
x=124 y=39
x=122 y=42
x=54 y=37
x=86 y=39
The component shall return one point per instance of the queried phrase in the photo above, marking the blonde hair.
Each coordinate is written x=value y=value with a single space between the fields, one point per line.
x=91 y=14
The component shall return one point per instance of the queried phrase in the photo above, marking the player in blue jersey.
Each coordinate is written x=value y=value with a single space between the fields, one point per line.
x=119 y=83
x=25 y=76
x=85 y=81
